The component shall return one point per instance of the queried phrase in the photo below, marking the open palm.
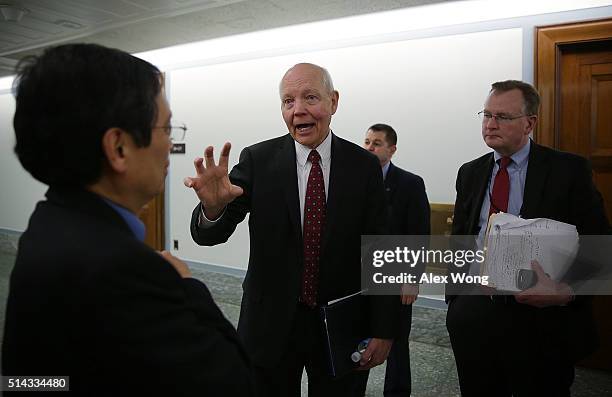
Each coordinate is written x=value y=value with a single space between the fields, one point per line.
x=211 y=183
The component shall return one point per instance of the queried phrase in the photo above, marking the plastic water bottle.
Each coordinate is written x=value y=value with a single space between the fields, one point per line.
x=356 y=355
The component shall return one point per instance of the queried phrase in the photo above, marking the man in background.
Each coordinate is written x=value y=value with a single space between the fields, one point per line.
x=524 y=344
x=310 y=195
x=88 y=299
x=408 y=213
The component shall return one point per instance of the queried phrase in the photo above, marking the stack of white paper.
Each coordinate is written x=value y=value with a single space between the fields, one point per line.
x=511 y=243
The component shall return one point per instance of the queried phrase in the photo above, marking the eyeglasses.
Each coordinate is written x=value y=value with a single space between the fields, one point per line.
x=500 y=118
x=176 y=132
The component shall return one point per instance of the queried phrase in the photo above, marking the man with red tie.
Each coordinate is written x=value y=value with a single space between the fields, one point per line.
x=310 y=196
x=524 y=344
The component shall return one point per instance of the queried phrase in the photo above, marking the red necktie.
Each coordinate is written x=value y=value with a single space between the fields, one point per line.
x=314 y=223
x=501 y=188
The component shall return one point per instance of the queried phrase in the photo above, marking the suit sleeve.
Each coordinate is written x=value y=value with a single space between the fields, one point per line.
x=586 y=203
x=236 y=211
x=459 y=228
x=460 y=215
x=419 y=211
x=588 y=214
x=171 y=333
x=384 y=321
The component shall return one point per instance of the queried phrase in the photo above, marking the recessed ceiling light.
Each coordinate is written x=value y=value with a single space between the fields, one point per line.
x=68 y=24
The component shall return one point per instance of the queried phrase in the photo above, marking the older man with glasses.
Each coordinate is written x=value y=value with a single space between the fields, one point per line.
x=88 y=300
x=524 y=344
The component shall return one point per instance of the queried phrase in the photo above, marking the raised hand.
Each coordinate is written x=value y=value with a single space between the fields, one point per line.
x=211 y=183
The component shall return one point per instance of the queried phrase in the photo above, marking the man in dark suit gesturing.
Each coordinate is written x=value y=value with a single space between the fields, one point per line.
x=310 y=195
x=524 y=344
x=407 y=214
x=88 y=299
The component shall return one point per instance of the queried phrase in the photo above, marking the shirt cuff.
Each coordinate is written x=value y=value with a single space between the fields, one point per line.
x=204 y=222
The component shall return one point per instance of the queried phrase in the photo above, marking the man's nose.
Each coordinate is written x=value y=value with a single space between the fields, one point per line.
x=491 y=122
x=299 y=107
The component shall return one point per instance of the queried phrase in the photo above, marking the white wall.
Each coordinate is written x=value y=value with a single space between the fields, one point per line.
x=426 y=82
x=429 y=90
x=19 y=192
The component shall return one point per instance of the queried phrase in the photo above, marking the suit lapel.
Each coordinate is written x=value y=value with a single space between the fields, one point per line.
x=337 y=174
x=286 y=167
x=390 y=182
x=537 y=172
x=482 y=175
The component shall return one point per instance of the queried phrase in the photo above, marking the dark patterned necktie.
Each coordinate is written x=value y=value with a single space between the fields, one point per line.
x=501 y=188
x=314 y=224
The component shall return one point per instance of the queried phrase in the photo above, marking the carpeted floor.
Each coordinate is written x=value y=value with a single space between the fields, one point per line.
x=432 y=362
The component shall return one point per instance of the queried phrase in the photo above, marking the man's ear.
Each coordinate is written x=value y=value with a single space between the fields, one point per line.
x=531 y=120
x=392 y=149
x=334 y=98
x=114 y=147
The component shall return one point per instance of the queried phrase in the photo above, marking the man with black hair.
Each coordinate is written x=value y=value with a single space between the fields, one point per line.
x=88 y=299
x=407 y=214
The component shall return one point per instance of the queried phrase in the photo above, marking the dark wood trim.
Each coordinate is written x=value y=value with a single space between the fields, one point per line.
x=159 y=221
x=547 y=49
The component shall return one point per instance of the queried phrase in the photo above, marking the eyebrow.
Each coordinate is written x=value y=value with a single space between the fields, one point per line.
x=498 y=114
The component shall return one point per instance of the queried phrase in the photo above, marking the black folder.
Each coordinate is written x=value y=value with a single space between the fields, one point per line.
x=346 y=324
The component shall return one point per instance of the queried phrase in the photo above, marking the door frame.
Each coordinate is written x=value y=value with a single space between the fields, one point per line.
x=549 y=42
x=547 y=58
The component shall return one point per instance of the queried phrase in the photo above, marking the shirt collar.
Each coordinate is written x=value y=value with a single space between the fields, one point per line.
x=324 y=150
x=519 y=158
x=385 y=169
x=135 y=224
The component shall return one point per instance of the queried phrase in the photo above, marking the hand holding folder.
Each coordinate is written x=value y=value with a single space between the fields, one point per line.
x=346 y=324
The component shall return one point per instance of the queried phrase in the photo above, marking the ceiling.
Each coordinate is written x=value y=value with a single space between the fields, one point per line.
x=28 y=26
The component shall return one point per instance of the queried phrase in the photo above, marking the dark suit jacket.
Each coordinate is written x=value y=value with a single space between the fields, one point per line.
x=355 y=206
x=408 y=209
x=89 y=300
x=558 y=186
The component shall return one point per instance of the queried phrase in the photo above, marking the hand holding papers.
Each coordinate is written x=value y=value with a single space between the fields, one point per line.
x=512 y=243
x=545 y=292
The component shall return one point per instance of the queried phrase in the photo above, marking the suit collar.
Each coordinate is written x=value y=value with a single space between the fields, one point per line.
x=337 y=173
x=88 y=203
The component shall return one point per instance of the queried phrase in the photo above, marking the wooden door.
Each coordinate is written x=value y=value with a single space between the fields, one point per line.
x=152 y=215
x=574 y=65
x=585 y=109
